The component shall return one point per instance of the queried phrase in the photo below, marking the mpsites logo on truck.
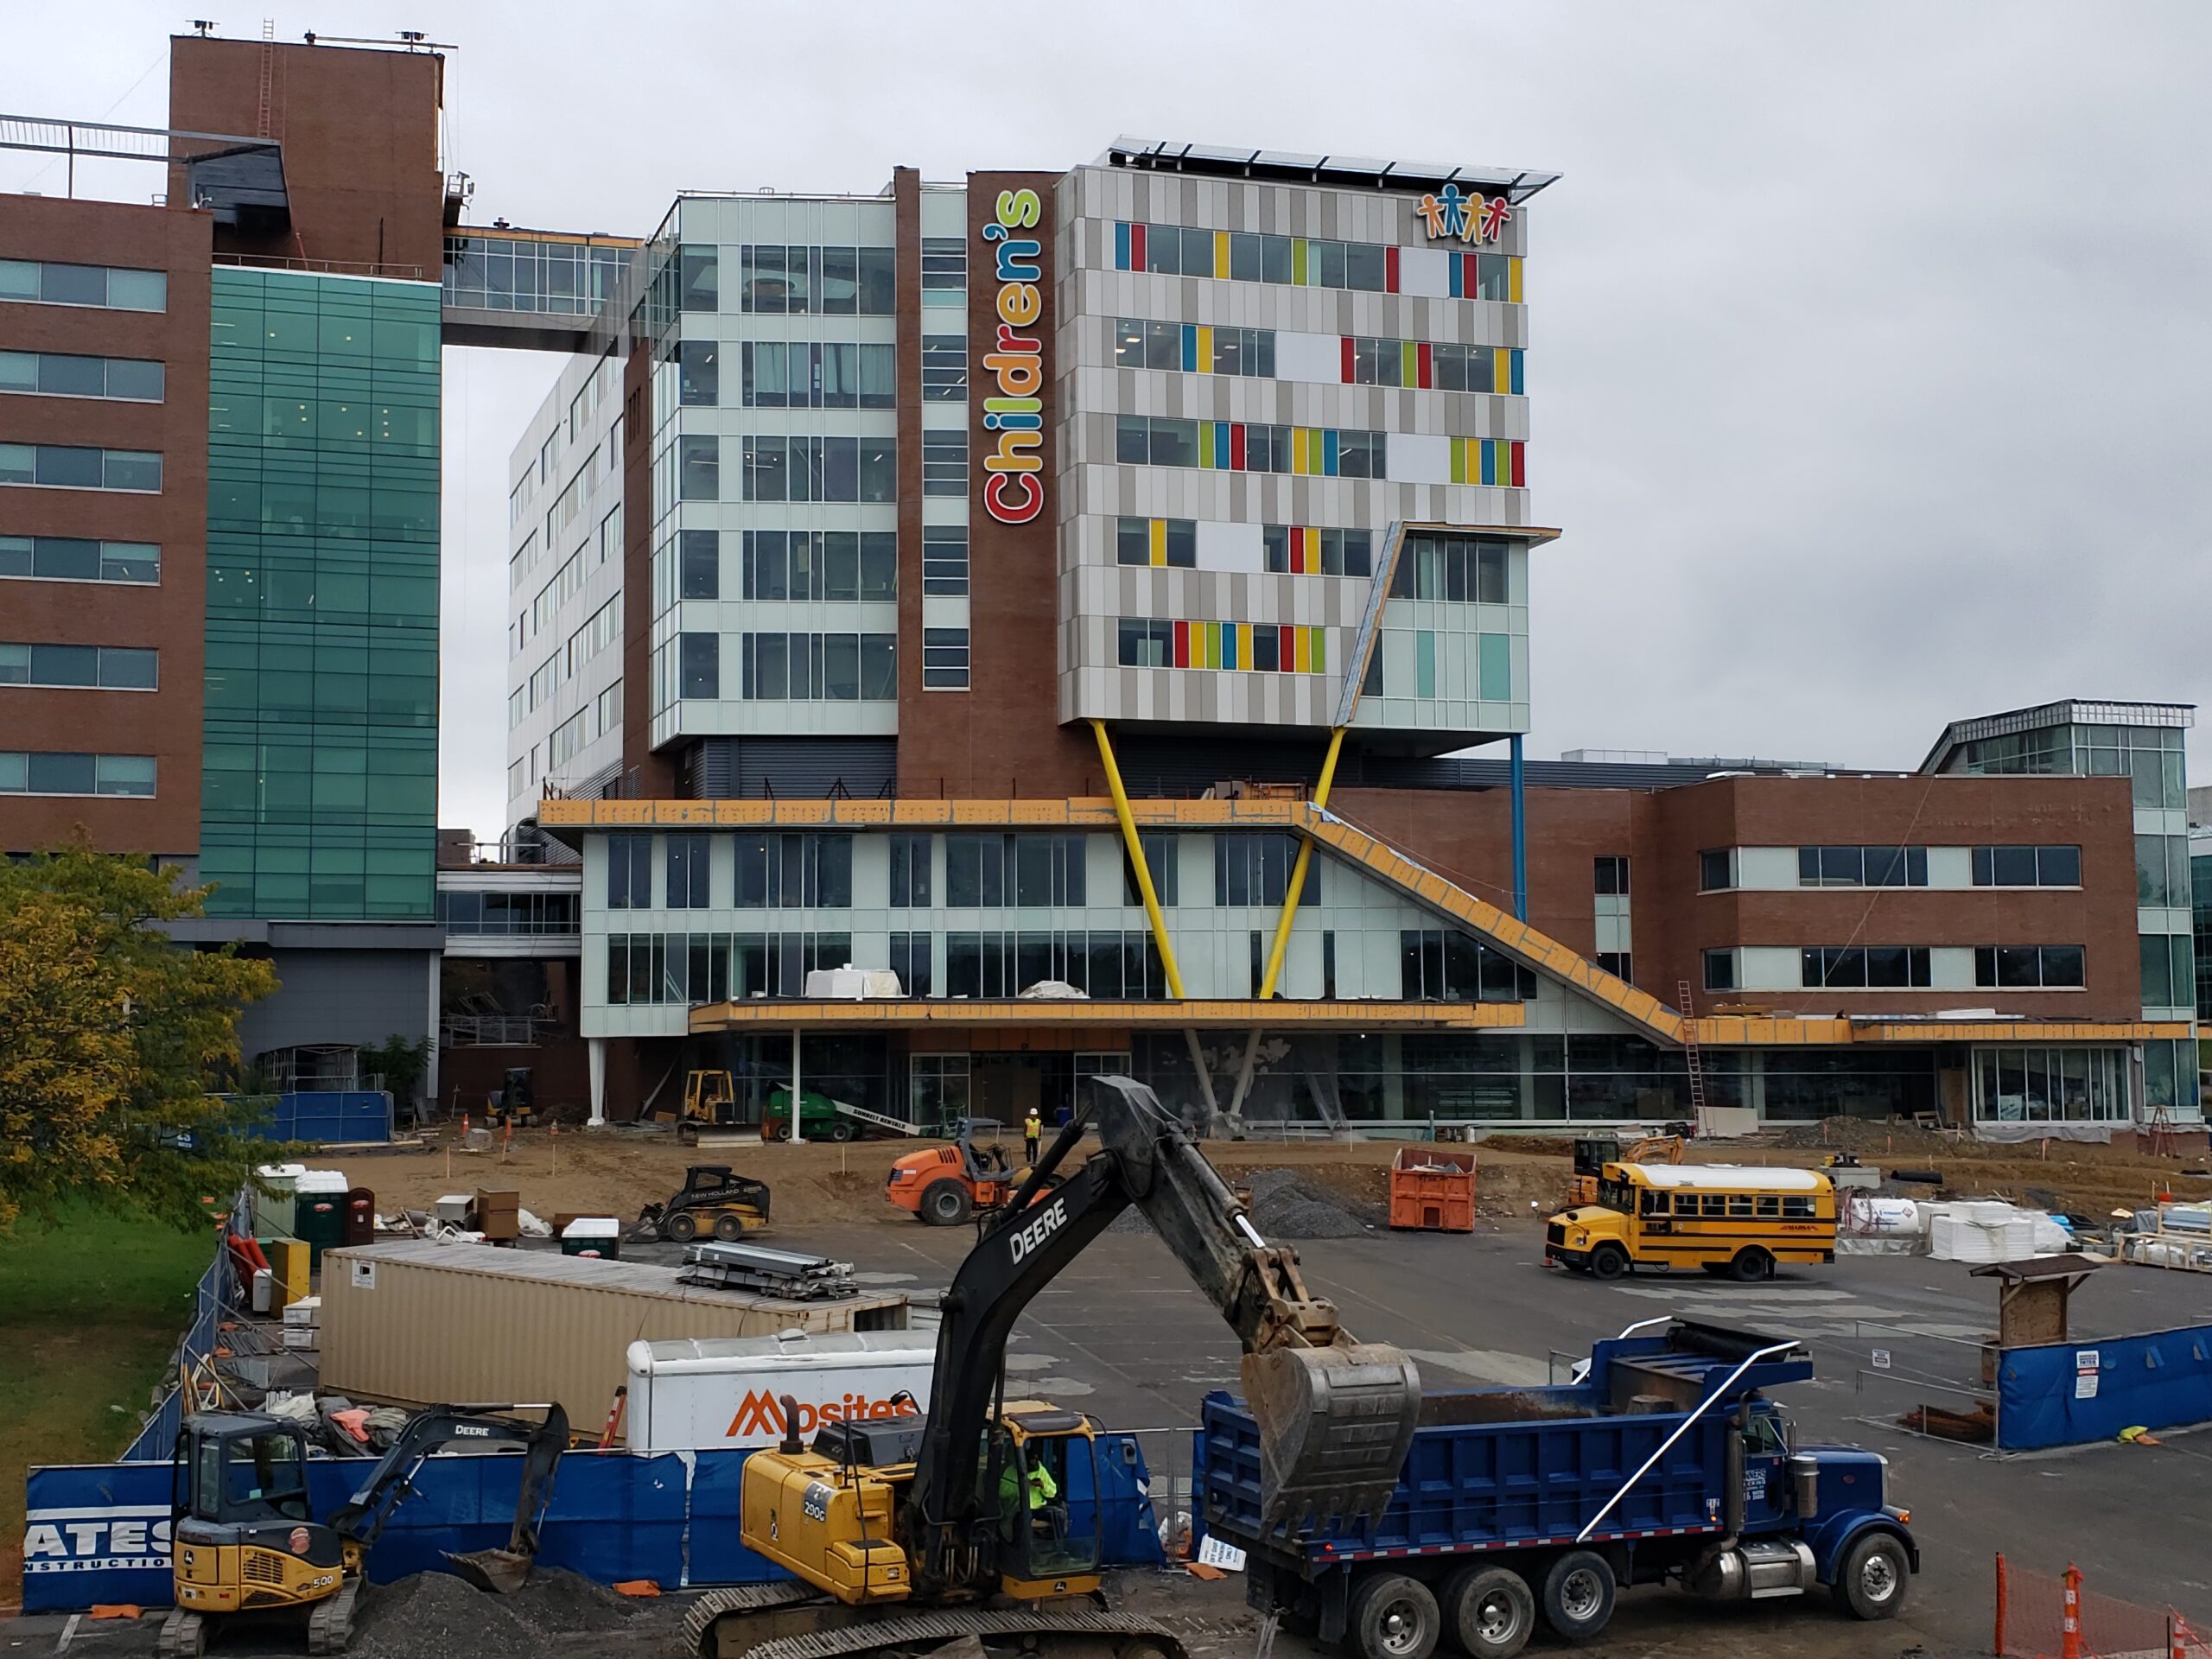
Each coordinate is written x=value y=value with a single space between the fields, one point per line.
x=1012 y=492
x=761 y=1413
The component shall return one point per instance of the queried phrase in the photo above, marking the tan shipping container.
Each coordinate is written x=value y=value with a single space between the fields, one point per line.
x=415 y=1323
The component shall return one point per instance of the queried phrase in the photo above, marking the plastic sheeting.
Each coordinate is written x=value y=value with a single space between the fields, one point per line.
x=2072 y=1393
x=100 y=1533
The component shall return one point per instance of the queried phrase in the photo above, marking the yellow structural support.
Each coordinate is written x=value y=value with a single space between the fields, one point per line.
x=1298 y=872
x=1134 y=843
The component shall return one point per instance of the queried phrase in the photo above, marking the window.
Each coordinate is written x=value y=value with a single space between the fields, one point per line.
x=945 y=659
x=47 y=772
x=700 y=665
x=69 y=558
x=944 y=369
x=821 y=469
x=975 y=871
x=699 y=468
x=1719 y=969
x=1146 y=643
x=698 y=279
x=910 y=960
x=1445 y=965
x=1191 y=348
x=945 y=463
x=629 y=872
x=1254 y=868
x=2029 y=967
x=117 y=288
x=65 y=466
x=944 y=268
x=1162 y=860
x=804 y=374
x=567 y=738
x=1716 y=873
x=832 y=564
x=1107 y=965
x=699 y=372
x=794 y=871
x=944 y=559
x=1612 y=876
x=778 y=280
x=1297 y=549
x=818 y=667
x=1156 y=542
x=1456 y=569
x=1862 y=867
x=108 y=668
x=702 y=557
x=2027 y=867
x=910 y=872
x=1049 y=871
x=1615 y=962
x=2169 y=970
x=2038 y=1085
x=1245 y=446
x=58 y=374
x=687 y=872
x=2162 y=871
x=1864 y=967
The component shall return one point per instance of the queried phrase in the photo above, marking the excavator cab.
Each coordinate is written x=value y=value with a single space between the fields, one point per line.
x=243 y=1536
x=1044 y=1474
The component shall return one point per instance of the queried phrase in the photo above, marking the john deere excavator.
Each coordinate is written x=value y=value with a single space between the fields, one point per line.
x=909 y=1533
x=244 y=1538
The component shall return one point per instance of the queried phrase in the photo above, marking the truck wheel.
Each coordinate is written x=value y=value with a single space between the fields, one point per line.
x=1750 y=1265
x=1492 y=1611
x=1608 y=1262
x=945 y=1204
x=1579 y=1594
x=681 y=1228
x=729 y=1229
x=841 y=1129
x=1872 y=1582
x=1393 y=1617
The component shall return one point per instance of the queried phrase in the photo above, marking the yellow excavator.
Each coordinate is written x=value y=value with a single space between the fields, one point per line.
x=979 y=1520
x=245 y=1541
x=1593 y=1154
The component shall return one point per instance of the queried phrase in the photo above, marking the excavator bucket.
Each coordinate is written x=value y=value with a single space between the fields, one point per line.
x=501 y=1572
x=1335 y=1425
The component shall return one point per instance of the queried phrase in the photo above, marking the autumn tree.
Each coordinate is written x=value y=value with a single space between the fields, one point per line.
x=111 y=1037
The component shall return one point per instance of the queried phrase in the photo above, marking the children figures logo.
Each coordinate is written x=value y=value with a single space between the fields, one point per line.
x=1013 y=493
x=1451 y=214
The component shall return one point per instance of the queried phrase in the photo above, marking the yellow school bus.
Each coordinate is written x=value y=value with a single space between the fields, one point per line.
x=1731 y=1218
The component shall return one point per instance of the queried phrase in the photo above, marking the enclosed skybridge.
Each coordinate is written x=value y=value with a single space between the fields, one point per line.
x=530 y=290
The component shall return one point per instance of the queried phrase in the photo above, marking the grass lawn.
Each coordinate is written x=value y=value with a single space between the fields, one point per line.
x=90 y=1309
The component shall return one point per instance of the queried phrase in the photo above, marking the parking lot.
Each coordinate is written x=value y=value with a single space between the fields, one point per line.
x=1123 y=1335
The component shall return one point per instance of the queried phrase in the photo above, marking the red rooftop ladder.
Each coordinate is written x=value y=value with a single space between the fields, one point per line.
x=1690 y=1055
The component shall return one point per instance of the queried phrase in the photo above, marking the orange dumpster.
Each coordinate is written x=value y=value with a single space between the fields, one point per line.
x=1433 y=1190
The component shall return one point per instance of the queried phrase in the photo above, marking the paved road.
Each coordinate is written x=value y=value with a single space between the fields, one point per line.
x=1123 y=1335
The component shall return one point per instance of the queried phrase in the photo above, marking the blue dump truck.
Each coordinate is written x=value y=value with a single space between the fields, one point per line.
x=1663 y=1462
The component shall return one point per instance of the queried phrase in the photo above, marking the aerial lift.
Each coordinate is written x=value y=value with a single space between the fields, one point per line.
x=909 y=1533
x=244 y=1538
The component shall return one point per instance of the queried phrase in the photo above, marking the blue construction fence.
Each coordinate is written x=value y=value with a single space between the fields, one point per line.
x=329 y=1114
x=215 y=1296
x=2077 y=1393
x=100 y=1534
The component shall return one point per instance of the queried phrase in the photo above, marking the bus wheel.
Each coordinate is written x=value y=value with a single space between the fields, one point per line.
x=1608 y=1262
x=1750 y=1265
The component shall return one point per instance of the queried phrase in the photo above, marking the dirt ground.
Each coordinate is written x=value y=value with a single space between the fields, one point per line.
x=616 y=1170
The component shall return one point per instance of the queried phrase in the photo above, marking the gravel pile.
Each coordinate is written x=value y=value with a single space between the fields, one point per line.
x=1285 y=1207
x=436 y=1616
x=556 y=1601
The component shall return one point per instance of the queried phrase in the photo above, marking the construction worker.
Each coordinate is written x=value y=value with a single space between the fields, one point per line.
x=1042 y=1490
x=1031 y=1128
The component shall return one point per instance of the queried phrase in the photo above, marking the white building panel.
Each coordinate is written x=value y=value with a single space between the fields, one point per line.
x=1420 y=458
x=1239 y=547
x=1308 y=357
x=1425 y=272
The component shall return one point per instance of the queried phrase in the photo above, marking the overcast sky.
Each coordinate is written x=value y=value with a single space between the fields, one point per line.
x=1870 y=343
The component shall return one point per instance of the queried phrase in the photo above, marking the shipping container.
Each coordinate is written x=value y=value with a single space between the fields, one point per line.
x=416 y=1322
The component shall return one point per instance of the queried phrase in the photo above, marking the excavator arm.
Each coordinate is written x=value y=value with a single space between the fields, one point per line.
x=362 y=1517
x=1336 y=1416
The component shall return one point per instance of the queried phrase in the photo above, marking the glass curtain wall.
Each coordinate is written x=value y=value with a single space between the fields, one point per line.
x=320 y=794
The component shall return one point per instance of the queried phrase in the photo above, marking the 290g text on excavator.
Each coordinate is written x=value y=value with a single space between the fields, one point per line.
x=980 y=1519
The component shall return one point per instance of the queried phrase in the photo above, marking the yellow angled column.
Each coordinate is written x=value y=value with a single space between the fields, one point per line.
x=1135 y=845
x=1298 y=872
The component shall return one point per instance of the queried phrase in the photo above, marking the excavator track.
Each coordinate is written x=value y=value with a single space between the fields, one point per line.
x=331 y=1625
x=183 y=1636
x=716 y=1605
x=1033 y=1631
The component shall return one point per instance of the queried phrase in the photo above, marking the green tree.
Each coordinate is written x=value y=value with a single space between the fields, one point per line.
x=110 y=1038
x=401 y=1064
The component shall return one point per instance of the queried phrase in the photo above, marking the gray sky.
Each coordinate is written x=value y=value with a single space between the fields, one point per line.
x=1869 y=341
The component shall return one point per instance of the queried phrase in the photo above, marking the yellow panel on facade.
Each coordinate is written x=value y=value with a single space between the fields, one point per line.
x=1159 y=527
x=1205 y=349
x=1221 y=253
x=1305 y=638
x=1513 y=279
x=1501 y=372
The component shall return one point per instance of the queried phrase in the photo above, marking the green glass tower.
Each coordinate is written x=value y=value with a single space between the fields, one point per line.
x=320 y=798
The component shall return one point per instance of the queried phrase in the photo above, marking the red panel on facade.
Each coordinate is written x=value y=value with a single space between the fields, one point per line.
x=1182 y=645
x=1427 y=365
x=1236 y=446
x=1390 y=269
x=1136 y=248
x=1348 y=359
x=1520 y=470
x=1286 y=650
x=1298 y=550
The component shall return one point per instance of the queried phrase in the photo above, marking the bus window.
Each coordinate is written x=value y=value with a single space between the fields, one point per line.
x=1770 y=1206
x=1715 y=1206
x=1654 y=1203
x=1740 y=1205
x=1686 y=1204
x=1798 y=1207
x=1618 y=1196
